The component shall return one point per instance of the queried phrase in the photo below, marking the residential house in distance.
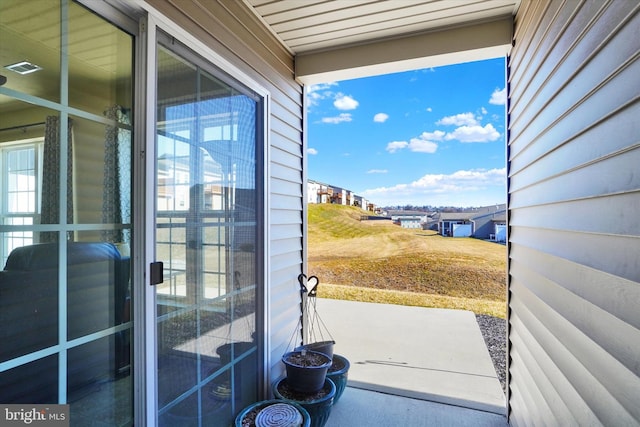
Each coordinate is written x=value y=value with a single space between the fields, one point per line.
x=492 y=226
x=318 y=192
x=456 y=224
x=488 y=222
x=411 y=221
x=408 y=218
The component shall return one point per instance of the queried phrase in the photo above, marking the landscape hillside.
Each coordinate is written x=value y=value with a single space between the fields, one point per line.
x=377 y=261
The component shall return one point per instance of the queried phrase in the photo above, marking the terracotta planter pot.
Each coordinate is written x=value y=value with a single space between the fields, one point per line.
x=318 y=404
x=306 y=370
x=338 y=373
x=251 y=412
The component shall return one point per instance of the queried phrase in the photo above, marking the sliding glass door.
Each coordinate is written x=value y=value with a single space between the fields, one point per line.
x=207 y=240
x=66 y=97
x=67 y=283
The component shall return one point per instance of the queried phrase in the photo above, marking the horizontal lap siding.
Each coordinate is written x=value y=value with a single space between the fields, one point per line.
x=234 y=33
x=574 y=198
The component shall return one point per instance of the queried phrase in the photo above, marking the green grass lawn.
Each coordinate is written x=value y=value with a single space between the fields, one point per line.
x=377 y=261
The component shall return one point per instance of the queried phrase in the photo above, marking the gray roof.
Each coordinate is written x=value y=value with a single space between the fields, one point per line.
x=459 y=216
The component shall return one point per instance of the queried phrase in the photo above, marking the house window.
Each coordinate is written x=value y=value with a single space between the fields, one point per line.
x=21 y=176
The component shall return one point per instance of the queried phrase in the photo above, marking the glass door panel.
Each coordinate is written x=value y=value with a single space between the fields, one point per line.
x=65 y=220
x=206 y=237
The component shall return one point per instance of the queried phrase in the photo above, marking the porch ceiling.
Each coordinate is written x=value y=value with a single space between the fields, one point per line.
x=342 y=39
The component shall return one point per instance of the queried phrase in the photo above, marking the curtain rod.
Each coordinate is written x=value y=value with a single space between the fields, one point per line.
x=23 y=126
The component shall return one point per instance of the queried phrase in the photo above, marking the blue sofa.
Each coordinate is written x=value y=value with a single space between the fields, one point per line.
x=97 y=299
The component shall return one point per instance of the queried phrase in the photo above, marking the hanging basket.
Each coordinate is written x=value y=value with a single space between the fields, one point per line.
x=325 y=347
x=315 y=334
x=306 y=370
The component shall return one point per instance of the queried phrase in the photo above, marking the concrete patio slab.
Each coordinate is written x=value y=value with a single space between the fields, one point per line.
x=428 y=354
x=364 y=408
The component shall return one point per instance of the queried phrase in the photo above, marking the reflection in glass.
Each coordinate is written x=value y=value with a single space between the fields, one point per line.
x=29 y=300
x=33 y=382
x=102 y=176
x=206 y=238
x=33 y=38
x=57 y=152
x=100 y=62
x=65 y=215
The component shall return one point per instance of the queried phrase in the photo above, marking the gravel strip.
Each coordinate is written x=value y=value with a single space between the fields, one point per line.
x=494 y=332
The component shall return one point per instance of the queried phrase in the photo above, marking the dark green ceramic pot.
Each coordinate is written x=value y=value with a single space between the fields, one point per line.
x=338 y=373
x=318 y=404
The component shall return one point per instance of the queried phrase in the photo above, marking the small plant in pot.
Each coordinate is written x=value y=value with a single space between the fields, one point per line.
x=306 y=369
x=307 y=381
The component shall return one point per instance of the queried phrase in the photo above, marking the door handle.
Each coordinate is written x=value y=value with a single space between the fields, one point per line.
x=156 y=273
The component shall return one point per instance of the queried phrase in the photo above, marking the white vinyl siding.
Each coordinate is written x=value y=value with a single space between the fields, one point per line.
x=227 y=27
x=574 y=198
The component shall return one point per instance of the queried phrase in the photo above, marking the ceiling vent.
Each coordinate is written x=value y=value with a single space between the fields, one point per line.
x=23 y=67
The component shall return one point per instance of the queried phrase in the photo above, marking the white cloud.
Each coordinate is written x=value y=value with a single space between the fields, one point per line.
x=321 y=86
x=313 y=99
x=499 y=97
x=345 y=102
x=483 y=110
x=432 y=136
x=312 y=151
x=377 y=171
x=394 y=146
x=319 y=92
x=462 y=119
x=380 y=118
x=419 y=145
x=474 y=134
x=344 y=117
x=429 y=109
x=474 y=187
x=425 y=143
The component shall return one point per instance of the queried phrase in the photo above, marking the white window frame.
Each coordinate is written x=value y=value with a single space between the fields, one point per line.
x=37 y=144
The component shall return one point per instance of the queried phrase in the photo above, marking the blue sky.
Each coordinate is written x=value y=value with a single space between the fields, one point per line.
x=427 y=137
